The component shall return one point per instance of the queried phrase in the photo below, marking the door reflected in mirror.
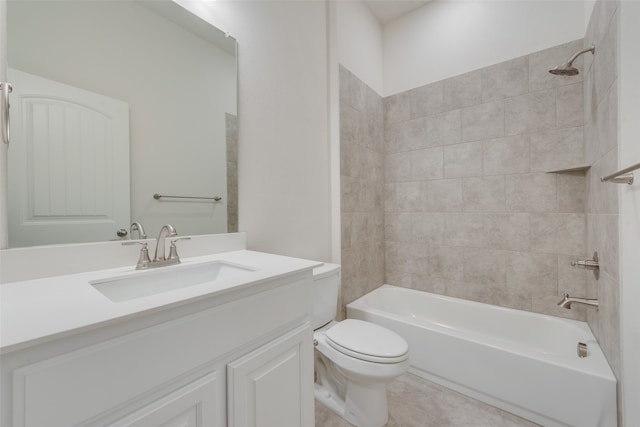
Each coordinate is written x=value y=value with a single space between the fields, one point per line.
x=117 y=101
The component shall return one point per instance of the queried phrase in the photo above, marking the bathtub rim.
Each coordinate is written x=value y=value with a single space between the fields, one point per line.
x=597 y=364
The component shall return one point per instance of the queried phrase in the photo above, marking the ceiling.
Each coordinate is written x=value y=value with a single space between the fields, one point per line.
x=388 y=10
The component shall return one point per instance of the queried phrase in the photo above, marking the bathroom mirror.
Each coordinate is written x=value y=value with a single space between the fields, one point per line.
x=113 y=102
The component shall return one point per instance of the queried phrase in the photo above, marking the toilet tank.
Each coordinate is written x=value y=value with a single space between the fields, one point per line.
x=326 y=286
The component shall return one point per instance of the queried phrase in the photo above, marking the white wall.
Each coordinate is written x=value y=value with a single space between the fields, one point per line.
x=283 y=148
x=359 y=42
x=450 y=37
x=170 y=78
x=629 y=153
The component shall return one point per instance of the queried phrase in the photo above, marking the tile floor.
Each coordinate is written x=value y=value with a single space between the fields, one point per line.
x=414 y=402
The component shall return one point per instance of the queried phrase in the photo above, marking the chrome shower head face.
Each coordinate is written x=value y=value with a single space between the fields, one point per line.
x=565 y=69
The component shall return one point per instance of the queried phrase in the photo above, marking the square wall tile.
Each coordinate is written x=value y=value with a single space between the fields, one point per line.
x=508 y=231
x=389 y=200
x=374 y=107
x=604 y=129
x=397 y=167
x=350 y=197
x=507 y=155
x=555 y=150
x=345 y=76
x=410 y=196
x=444 y=129
x=443 y=195
x=602 y=197
x=572 y=280
x=533 y=112
x=506 y=79
x=445 y=263
x=405 y=136
x=406 y=257
x=396 y=108
x=484 y=194
x=570 y=106
x=464 y=230
x=349 y=123
x=428 y=228
x=426 y=100
x=485 y=267
x=532 y=193
x=462 y=91
x=533 y=273
x=397 y=227
x=605 y=240
x=562 y=234
x=427 y=163
x=572 y=192
x=483 y=121
x=605 y=60
x=357 y=93
x=462 y=160
x=349 y=158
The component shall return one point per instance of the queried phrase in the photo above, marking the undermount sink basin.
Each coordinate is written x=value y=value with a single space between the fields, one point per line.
x=164 y=279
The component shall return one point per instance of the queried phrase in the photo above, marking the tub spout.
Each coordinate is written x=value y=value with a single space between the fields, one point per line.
x=567 y=301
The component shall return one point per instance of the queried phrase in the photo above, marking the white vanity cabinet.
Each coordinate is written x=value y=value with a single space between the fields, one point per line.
x=243 y=358
x=196 y=404
x=268 y=386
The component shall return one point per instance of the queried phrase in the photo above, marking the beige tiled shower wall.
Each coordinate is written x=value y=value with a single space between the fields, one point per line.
x=361 y=182
x=470 y=209
x=601 y=150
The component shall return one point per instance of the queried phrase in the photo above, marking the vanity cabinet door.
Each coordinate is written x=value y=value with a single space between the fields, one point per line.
x=273 y=385
x=198 y=404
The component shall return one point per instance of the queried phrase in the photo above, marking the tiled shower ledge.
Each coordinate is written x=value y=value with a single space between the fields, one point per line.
x=581 y=168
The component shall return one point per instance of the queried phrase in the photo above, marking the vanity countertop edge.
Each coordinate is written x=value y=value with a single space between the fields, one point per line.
x=41 y=310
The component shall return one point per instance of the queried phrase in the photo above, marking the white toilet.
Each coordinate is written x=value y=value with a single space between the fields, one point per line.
x=354 y=360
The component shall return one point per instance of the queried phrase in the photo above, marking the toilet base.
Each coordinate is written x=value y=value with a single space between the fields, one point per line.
x=364 y=406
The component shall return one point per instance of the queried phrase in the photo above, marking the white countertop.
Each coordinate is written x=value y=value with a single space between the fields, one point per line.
x=40 y=310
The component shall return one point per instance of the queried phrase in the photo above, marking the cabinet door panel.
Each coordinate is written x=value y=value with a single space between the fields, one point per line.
x=191 y=406
x=273 y=385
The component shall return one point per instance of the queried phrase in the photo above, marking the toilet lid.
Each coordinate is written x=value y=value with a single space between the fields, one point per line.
x=367 y=341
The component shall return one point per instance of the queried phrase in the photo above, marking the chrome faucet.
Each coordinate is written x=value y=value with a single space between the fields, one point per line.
x=136 y=226
x=167 y=230
x=159 y=259
x=567 y=301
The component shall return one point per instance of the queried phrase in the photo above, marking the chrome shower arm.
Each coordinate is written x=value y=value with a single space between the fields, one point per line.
x=592 y=49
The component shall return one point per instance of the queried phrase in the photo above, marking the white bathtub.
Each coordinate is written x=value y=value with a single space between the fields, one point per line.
x=522 y=362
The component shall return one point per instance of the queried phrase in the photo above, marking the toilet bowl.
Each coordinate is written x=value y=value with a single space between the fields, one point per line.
x=354 y=359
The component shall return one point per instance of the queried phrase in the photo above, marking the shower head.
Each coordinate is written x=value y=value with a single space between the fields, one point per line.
x=567 y=69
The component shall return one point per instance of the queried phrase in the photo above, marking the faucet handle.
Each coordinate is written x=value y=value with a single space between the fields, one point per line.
x=173 y=250
x=143 y=260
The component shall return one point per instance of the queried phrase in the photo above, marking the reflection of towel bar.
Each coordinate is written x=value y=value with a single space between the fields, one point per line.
x=624 y=176
x=215 y=198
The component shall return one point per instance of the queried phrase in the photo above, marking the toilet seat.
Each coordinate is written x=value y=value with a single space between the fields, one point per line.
x=367 y=341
